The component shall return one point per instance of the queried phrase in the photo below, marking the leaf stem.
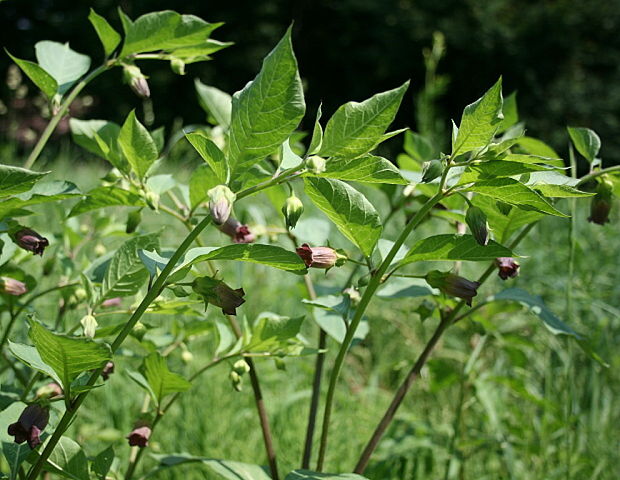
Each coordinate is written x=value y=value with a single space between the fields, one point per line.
x=597 y=173
x=374 y=283
x=64 y=106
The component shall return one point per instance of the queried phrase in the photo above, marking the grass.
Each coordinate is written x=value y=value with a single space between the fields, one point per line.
x=531 y=405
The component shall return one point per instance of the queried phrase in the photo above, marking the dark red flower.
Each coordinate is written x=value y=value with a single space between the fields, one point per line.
x=453 y=285
x=30 y=240
x=320 y=257
x=507 y=267
x=107 y=370
x=29 y=426
x=239 y=232
x=139 y=436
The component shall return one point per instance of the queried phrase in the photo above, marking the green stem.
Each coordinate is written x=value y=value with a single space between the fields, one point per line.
x=285 y=176
x=374 y=283
x=8 y=329
x=598 y=173
x=64 y=106
x=154 y=291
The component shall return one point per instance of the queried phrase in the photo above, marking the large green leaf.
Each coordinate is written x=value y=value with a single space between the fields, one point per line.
x=366 y=169
x=454 y=247
x=38 y=75
x=102 y=197
x=226 y=469
x=126 y=272
x=586 y=141
x=211 y=154
x=202 y=180
x=498 y=169
x=273 y=333
x=513 y=192
x=66 y=66
x=350 y=211
x=14 y=180
x=103 y=462
x=166 y=30
x=308 y=475
x=268 y=109
x=161 y=380
x=357 y=128
x=68 y=356
x=30 y=356
x=480 y=121
x=68 y=460
x=42 y=192
x=108 y=36
x=215 y=102
x=137 y=145
x=101 y=138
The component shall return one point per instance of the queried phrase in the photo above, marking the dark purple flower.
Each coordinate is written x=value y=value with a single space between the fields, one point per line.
x=507 y=267
x=239 y=232
x=320 y=257
x=453 y=285
x=139 y=436
x=30 y=240
x=11 y=286
x=601 y=202
x=29 y=426
x=107 y=370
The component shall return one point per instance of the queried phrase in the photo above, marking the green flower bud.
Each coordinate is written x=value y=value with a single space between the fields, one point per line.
x=221 y=199
x=100 y=250
x=292 y=210
x=432 y=170
x=354 y=296
x=241 y=367
x=134 y=77
x=89 y=325
x=48 y=391
x=453 y=285
x=139 y=330
x=187 y=356
x=178 y=66
x=152 y=200
x=133 y=220
x=236 y=380
x=80 y=294
x=280 y=363
x=477 y=222
x=315 y=164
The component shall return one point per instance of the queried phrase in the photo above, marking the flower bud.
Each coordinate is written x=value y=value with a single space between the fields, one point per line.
x=292 y=210
x=354 y=296
x=187 y=356
x=139 y=330
x=100 y=250
x=280 y=363
x=152 y=200
x=315 y=164
x=239 y=232
x=507 y=267
x=178 y=66
x=108 y=370
x=221 y=200
x=432 y=170
x=89 y=325
x=139 y=436
x=241 y=367
x=133 y=220
x=217 y=293
x=111 y=302
x=10 y=286
x=477 y=222
x=30 y=425
x=236 y=380
x=49 y=391
x=601 y=202
x=453 y=285
x=136 y=80
x=30 y=240
x=320 y=257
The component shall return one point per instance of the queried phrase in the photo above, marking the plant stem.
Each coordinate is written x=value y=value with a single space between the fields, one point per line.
x=9 y=327
x=64 y=106
x=598 y=173
x=413 y=374
x=153 y=292
x=374 y=283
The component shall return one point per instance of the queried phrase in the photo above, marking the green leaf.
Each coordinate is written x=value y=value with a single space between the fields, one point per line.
x=68 y=356
x=308 y=475
x=560 y=191
x=137 y=145
x=513 y=192
x=317 y=133
x=289 y=159
x=43 y=80
x=366 y=169
x=211 y=154
x=454 y=247
x=68 y=460
x=166 y=30
x=13 y=453
x=162 y=381
x=510 y=112
x=226 y=469
x=268 y=255
x=537 y=159
x=215 y=102
x=534 y=146
x=30 y=356
x=273 y=333
x=126 y=272
x=586 y=141
x=350 y=211
x=357 y=128
x=418 y=147
x=108 y=36
x=268 y=109
x=66 y=66
x=14 y=180
x=102 y=463
x=399 y=287
x=202 y=180
x=101 y=138
x=480 y=121
x=102 y=197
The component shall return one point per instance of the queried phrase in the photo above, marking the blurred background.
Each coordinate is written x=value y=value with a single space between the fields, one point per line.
x=562 y=56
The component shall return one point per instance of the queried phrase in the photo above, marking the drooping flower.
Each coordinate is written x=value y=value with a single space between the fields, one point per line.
x=30 y=240
x=453 y=285
x=29 y=426
x=292 y=210
x=11 y=286
x=107 y=370
x=139 y=436
x=477 y=222
x=601 y=202
x=136 y=80
x=221 y=199
x=239 y=232
x=320 y=257
x=507 y=267
x=217 y=293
